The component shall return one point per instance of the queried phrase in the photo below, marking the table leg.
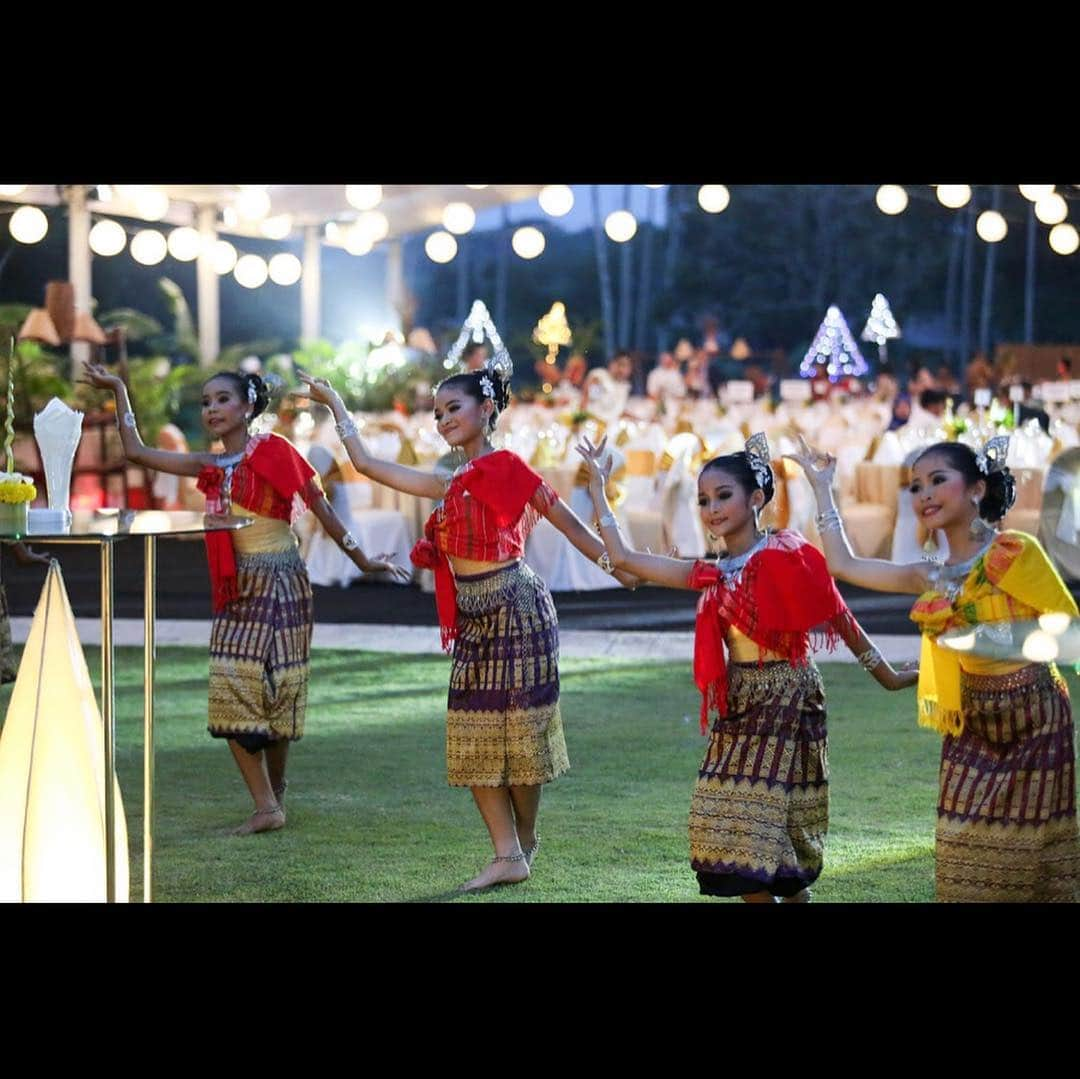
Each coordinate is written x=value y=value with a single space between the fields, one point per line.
x=149 y=620
x=108 y=719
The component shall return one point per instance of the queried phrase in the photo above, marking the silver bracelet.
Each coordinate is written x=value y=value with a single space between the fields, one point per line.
x=346 y=428
x=348 y=542
x=870 y=659
x=608 y=521
x=128 y=419
x=829 y=522
x=604 y=562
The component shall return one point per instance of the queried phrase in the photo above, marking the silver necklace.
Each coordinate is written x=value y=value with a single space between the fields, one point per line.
x=228 y=463
x=951 y=577
x=731 y=566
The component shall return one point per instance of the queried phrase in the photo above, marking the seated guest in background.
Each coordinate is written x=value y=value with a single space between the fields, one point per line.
x=761 y=379
x=606 y=391
x=886 y=388
x=717 y=372
x=934 y=402
x=174 y=492
x=1064 y=369
x=921 y=379
x=475 y=356
x=665 y=380
x=1025 y=411
x=882 y=394
x=978 y=376
x=820 y=386
x=567 y=392
x=697 y=382
x=927 y=412
x=948 y=382
x=901 y=412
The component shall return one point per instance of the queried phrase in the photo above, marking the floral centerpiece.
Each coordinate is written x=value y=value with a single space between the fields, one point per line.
x=16 y=490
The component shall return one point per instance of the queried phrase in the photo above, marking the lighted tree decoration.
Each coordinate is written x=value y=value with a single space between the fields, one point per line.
x=476 y=326
x=881 y=327
x=552 y=331
x=834 y=347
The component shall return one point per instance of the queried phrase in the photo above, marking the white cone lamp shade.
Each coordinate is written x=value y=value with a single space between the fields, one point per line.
x=52 y=770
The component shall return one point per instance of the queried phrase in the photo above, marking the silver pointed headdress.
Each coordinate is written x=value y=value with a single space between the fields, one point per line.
x=476 y=326
x=991 y=458
x=757 y=450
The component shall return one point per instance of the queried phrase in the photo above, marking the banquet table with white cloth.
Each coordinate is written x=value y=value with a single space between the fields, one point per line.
x=654 y=477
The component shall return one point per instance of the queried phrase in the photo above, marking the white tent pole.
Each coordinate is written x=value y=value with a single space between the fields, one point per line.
x=79 y=263
x=311 y=285
x=208 y=286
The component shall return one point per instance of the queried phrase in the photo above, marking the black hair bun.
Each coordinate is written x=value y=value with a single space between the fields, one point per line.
x=501 y=387
x=1000 y=495
x=261 y=391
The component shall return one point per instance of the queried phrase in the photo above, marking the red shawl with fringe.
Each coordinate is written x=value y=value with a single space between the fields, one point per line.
x=271 y=480
x=505 y=500
x=785 y=596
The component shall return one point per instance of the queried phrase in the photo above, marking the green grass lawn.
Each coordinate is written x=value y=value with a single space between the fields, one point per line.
x=372 y=819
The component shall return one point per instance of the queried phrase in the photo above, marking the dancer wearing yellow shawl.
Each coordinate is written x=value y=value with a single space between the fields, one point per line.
x=1006 y=828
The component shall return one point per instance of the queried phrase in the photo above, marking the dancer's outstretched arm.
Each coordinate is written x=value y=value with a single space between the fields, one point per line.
x=336 y=530
x=135 y=450
x=576 y=531
x=872 y=660
x=844 y=564
x=672 y=572
x=411 y=481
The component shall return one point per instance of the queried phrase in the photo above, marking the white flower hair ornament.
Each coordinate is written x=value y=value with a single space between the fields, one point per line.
x=991 y=458
x=487 y=386
x=251 y=394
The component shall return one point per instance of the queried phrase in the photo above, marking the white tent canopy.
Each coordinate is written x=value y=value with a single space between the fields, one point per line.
x=212 y=209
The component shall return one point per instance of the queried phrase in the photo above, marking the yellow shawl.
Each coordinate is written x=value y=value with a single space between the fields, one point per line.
x=1013 y=581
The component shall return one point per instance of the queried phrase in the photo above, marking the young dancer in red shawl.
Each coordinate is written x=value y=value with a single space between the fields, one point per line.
x=260 y=643
x=504 y=735
x=760 y=810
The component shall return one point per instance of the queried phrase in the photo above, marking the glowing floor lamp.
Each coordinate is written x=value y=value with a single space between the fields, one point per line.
x=52 y=769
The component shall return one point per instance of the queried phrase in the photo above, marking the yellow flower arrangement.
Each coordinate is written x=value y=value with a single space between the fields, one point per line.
x=17 y=490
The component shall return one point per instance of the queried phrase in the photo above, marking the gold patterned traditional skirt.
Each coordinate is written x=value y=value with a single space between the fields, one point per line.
x=1006 y=828
x=503 y=725
x=760 y=810
x=260 y=650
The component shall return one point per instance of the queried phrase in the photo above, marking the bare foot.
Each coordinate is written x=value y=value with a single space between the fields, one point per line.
x=498 y=872
x=279 y=792
x=800 y=897
x=262 y=820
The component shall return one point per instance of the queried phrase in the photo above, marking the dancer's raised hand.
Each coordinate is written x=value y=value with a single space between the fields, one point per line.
x=320 y=390
x=820 y=468
x=599 y=461
x=100 y=377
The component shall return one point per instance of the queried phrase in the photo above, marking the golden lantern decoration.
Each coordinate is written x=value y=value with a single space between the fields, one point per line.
x=553 y=330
